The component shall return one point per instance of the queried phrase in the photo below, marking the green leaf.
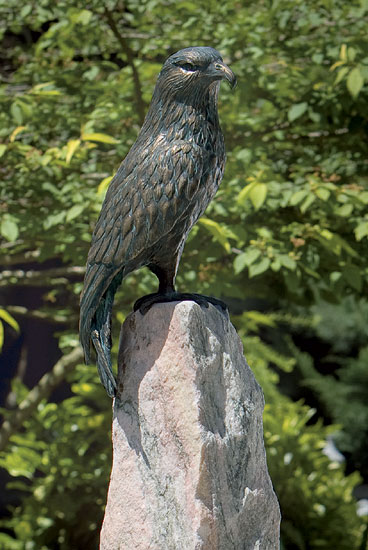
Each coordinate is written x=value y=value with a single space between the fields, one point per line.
x=329 y=241
x=340 y=75
x=53 y=219
x=308 y=270
x=217 y=231
x=15 y=132
x=246 y=259
x=355 y=82
x=84 y=17
x=102 y=188
x=275 y=265
x=317 y=58
x=334 y=243
x=16 y=113
x=346 y=246
x=9 y=228
x=9 y=319
x=297 y=111
x=260 y=318
x=363 y=197
x=316 y=117
x=345 y=210
x=8 y=542
x=71 y=147
x=335 y=276
x=260 y=267
x=287 y=261
x=258 y=195
x=361 y=230
x=21 y=462
x=244 y=193
x=91 y=73
x=2 y=149
x=244 y=155
x=307 y=203
x=297 y=197
x=74 y=212
x=352 y=275
x=351 y=53
x=26 y=10
x=51 y=188
x=323 y=193
x=343 y=52
x=45 y=89
x=1 y=336
x=240 y=263
x=103 y=138
x=26 y=109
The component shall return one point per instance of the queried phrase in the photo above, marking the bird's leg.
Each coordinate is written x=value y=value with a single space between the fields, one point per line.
x=167 y=293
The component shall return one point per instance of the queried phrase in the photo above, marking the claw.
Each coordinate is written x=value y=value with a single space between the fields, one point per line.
x=145 y=303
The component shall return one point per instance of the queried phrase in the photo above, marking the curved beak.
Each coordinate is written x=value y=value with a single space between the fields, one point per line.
x=219 y=70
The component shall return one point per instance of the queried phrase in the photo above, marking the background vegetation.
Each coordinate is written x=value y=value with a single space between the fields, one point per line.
x=284 y=242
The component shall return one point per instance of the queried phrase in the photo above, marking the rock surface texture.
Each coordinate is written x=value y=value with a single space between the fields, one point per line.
x=189 y=469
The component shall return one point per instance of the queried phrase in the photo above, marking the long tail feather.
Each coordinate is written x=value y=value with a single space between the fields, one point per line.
x=101 y=338
x=95 y=320
x=104 y=364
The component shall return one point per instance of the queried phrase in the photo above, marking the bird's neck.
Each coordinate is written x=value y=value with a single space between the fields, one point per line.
x=183 y=118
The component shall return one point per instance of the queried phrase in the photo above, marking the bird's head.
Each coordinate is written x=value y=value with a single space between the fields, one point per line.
x=193 y=70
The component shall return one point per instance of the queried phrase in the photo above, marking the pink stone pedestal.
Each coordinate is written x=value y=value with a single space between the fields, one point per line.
x=189 y=469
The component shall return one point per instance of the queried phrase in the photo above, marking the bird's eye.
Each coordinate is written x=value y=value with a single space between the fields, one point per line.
x=189 y=67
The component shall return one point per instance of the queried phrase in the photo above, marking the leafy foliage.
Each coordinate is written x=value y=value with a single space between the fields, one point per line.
x=315 y=496
x=343 y=393
x=4 y=316
x=286 y=233
x=66 y=451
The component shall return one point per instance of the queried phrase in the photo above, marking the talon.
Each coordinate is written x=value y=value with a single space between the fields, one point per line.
x=144 y=304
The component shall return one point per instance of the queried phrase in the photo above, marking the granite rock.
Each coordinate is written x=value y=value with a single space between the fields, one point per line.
x=189 y=465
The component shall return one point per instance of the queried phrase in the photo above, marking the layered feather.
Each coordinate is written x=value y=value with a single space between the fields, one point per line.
x=161 y=188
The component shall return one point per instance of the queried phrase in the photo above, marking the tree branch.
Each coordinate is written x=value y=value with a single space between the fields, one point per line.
x=130 y=55
x=20 y=258
x=48 y=277
x=36 y=314
x=41 y=391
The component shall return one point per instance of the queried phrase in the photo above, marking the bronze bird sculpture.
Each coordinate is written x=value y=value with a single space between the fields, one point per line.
x=160 y=190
